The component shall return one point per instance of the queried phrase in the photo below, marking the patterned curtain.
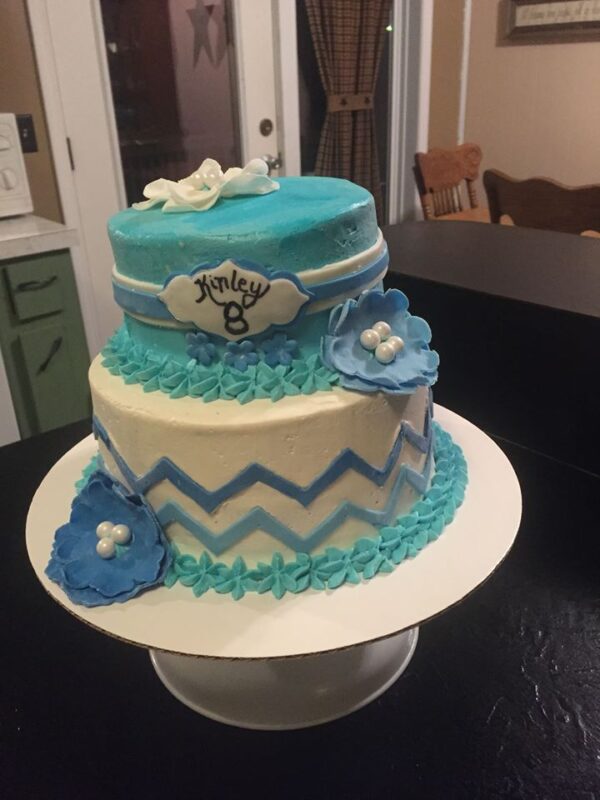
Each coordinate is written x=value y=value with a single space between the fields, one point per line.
x=348 y=37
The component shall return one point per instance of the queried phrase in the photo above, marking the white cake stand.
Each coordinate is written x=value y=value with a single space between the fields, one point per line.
x=307 y=658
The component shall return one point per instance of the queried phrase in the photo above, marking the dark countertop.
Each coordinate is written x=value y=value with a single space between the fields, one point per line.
x=500 y=701
x=558 y=270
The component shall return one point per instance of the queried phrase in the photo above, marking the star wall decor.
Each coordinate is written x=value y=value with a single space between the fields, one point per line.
x=200 y=17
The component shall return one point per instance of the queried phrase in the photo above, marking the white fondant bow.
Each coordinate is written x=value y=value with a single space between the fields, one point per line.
x=201 y=190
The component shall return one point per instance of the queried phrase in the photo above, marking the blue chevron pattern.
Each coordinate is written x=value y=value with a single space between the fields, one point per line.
x=165 y=469
x=259 y=519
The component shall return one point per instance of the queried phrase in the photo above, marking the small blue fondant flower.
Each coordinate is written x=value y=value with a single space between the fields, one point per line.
x=88 y=578
x=413 y=366
x=279 y=350
x=201 y=348
x=240 y=355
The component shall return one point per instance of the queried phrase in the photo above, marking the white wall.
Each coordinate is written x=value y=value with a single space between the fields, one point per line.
x=533 y=109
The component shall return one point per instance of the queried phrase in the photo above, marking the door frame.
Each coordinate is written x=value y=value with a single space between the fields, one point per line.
x=83 y=254
x=64 y=96
x=410 y=80
x=464 y=70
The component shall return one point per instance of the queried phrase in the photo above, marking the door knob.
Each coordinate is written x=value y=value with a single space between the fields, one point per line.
x=272 y=162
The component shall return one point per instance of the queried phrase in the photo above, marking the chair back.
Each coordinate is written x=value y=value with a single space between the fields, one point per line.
x=439 y=175
x=542 y=203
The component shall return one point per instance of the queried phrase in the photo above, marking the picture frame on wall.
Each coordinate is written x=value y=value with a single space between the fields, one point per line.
x=547 y=21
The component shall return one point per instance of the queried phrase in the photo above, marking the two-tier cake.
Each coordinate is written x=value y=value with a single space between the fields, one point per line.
x=264 y=414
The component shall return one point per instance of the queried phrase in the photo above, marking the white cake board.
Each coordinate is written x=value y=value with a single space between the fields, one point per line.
x=253 y=684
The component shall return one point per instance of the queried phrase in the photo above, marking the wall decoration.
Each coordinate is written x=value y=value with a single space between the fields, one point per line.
x=200 y=17
x=539 y=21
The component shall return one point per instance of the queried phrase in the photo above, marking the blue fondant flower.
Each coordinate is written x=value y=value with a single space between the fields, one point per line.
x=414 y=365
x=279 y=350
x=201 y=348
x=86 y=577
x=240 y=355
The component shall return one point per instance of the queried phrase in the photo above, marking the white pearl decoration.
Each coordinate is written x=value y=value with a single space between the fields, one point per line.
x=106 y=547
x=379 y=338
x=370 y=339
x=383 y=329
x=110 y=536
x=120 y=534
x=104 y=529
x=385 y=353
x=396 y=342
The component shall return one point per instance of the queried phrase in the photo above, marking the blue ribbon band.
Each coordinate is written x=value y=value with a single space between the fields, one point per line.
x=150 y=305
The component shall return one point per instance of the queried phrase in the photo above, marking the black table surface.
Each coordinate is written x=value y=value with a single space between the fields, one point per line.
x=502 y=697
x=558 y=270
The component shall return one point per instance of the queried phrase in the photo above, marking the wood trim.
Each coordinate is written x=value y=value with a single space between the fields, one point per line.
x=410 y=73
x=9 y=430
x=285 y=42
x=45 y=60
x=464 y=71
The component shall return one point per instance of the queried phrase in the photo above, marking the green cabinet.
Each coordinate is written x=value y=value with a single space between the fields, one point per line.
x=43 y=342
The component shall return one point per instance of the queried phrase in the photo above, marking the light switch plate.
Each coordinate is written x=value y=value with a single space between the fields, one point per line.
x=27 y=133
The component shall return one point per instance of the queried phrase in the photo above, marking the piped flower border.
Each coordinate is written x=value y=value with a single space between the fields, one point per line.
x=368 y=557
x=135 y=364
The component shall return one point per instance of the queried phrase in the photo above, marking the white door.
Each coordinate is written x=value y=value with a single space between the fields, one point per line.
x=147 y=89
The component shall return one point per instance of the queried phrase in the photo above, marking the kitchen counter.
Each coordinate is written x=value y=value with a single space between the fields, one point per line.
x=28 y=234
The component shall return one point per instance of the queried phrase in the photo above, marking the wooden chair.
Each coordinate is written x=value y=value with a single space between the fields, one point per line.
x=439 y=175
x=543 y=203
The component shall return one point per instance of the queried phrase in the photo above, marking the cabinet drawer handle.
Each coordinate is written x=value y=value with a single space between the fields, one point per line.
x=33 y=286
x=54 y=348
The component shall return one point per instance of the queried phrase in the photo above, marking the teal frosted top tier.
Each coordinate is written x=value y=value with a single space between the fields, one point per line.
x=308 y=223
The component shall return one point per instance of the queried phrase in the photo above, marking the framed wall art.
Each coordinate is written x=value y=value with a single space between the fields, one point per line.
x=536 y=21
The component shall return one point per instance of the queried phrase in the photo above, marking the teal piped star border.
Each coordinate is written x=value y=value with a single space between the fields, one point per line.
x=368 y=557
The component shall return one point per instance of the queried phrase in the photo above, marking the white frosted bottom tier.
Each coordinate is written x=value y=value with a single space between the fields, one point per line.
x=259 y=625
x=301 y=474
